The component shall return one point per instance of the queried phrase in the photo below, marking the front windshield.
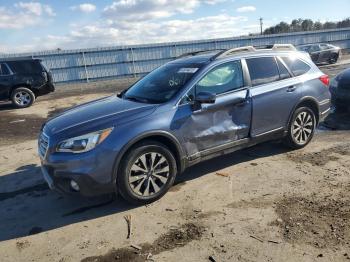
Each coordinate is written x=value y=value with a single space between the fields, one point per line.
x=162 y=84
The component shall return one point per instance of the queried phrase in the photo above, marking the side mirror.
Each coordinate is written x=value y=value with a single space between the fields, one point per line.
x=205 y=98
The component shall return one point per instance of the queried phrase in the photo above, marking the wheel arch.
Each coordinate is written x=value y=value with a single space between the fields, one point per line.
x=26 y=85
x=309 y=102
x=160 y=136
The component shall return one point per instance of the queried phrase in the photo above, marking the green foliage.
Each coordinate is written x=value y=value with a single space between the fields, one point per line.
x=300 y=25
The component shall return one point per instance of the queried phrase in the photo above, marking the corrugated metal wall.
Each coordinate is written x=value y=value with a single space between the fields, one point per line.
x=95 y=64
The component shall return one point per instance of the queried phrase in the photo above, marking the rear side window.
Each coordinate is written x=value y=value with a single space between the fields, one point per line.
x=26 y=67
x=263 y=70
x=4 y=70
x=284 y=74
x=297 y=66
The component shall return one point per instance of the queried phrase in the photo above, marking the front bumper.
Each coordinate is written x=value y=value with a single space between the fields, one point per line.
x=60 y=182
x=93 y=171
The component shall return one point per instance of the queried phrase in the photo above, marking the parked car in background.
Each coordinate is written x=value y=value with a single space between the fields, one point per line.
x=322 y=53
x=186 y=111
x=24 y=79
x=340 y=90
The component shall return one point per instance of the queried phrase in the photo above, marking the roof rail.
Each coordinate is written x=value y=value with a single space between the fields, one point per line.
x=232 y=51
x=236 y=50
x=198 y=52
x=289 y=47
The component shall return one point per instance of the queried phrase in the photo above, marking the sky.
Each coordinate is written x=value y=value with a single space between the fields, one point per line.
x=27 y=26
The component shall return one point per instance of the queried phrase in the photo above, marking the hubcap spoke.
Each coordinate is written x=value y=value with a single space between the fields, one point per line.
x=154 y=185
x=133 y=179
x=161 y=178
x=137 y=168
x=153 y=159
x=138 y=187
x=295 y=130
x=146 y=193
x=143 y=162
x=308 y=130
x=162 y=170
x=161 y=161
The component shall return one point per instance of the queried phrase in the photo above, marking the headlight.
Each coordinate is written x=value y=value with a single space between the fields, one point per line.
x=83 y=143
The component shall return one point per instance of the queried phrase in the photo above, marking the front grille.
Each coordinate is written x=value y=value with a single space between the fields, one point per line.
x=43 y=144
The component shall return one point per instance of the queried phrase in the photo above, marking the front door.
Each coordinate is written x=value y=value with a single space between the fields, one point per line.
x=315 y=54
x=206 y=127
x=5 y=81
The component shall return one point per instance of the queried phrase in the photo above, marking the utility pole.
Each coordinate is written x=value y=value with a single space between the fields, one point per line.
x=261 y=25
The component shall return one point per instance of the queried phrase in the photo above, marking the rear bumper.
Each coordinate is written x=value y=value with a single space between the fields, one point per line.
x=45 y=89
x=324 y=109
x=324 y=114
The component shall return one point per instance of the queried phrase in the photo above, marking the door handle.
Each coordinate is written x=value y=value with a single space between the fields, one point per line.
x=291 y=88
x=237 y=101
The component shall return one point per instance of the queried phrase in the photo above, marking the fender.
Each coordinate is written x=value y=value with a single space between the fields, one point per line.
x=180 y=152
x=302 y=100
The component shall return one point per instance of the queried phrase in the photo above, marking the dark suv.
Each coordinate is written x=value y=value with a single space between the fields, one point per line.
x=186 y=111
x=322 y=53
x=22 y=80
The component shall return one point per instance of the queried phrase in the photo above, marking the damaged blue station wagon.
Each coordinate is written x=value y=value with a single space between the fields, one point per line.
x=194 y=108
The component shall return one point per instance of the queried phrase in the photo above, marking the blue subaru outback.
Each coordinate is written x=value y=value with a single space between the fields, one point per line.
x=192 y=109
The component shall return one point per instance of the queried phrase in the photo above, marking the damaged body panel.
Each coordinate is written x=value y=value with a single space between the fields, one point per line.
x=216 y=124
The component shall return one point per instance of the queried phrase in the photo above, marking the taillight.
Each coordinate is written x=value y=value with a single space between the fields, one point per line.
x=325 y=80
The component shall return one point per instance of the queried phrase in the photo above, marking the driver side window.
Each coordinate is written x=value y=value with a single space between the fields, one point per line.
x=222 y=79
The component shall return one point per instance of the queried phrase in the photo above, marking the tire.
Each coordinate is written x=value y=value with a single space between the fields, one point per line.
x=146 y=173
x=301 y=128
x=333 y=59
x=22 y=97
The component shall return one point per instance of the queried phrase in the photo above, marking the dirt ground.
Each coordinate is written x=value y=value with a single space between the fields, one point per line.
x=265 y=203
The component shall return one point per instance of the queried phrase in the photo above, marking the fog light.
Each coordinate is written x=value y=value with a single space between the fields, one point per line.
x=74 y=185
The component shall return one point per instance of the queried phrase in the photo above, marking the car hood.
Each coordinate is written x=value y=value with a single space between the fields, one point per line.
x=97 y=114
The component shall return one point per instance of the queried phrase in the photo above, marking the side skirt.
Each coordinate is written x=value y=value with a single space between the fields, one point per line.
x=234 y=146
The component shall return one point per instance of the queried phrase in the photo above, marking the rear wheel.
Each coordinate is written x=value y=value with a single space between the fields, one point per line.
x=22 y=97
x=146 y=173
x=333 y=59
x=301 y=128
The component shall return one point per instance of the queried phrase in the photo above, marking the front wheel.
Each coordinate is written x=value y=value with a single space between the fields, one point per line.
x=301 y=128
x=146 y=173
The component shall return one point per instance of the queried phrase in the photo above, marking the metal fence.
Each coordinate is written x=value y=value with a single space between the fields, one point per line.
x=95 y=64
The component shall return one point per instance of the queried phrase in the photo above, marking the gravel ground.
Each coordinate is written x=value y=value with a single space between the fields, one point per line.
x=264 y=203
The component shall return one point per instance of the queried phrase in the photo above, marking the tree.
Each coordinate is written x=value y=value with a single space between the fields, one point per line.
x=298 y=25
x=307 y=25
x=329 y=25
x=318 y=26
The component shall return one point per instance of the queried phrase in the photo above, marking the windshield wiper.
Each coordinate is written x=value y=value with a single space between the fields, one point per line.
x=136 y=99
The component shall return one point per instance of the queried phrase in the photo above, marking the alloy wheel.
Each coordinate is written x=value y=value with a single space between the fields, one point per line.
x=149 y=174
x=22 y=98
x=303 y=127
